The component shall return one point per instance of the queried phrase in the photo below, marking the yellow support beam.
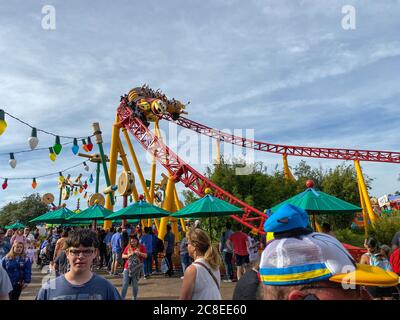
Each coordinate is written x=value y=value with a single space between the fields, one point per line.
x=364 y=212
x=136 y=163
x=126 y=166
x=112 y=170
x=218 y=152
x=286 y=170
x=364 y=192
x=168 y=204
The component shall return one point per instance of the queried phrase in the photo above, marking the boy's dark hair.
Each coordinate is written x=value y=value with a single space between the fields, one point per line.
x=64 y=234
x=119 y=229
x=112 y=229
x=82 y=237
x=169 y=227
x=146 y=229
x=228 y=225
x=239 y=227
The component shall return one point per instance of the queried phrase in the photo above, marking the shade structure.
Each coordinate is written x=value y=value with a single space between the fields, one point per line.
x=139 y=210
x=16 y=225
x=95 y=212
x=318 y=202
x=59 y=216
x=208 y=206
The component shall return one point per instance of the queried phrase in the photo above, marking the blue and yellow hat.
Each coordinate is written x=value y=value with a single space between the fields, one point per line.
x=317 y=257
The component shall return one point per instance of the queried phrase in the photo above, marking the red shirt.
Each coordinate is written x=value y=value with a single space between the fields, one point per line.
x=239 y=243
x=395 y=261
x=142 y=249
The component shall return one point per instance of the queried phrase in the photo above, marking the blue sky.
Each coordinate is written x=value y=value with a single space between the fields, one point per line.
x=286 y=69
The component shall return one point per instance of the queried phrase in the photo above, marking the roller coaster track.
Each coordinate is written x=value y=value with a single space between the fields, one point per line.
x=311 y=152
x=182 y=172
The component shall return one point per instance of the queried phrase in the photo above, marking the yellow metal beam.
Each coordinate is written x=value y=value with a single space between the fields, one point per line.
x=364 y=212
x=168 y=203
x=364 y=192
x=286 y=170
x=127 y=168
x=136 y=163
x=218 y=152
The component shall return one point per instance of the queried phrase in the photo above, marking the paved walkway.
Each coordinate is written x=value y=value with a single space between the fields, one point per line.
x=157 y=287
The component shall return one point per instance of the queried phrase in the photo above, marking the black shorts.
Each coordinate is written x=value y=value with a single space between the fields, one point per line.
x=240 y=260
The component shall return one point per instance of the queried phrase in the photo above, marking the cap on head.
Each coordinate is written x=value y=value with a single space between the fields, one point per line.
x=317 y=257
x=286 y=218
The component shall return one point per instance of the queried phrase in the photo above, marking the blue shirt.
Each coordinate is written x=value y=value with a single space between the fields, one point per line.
x=97 y=288
x=18 y=269
x=107 y=239
x=116 y=242
x=147 y=241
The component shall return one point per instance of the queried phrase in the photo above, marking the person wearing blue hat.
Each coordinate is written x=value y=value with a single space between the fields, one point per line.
x=287 y=221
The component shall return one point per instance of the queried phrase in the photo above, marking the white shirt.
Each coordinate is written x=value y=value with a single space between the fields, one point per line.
x=204 y=286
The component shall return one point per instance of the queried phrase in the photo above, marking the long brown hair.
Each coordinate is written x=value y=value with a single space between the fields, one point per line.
x=200 y=240
x=12 y=255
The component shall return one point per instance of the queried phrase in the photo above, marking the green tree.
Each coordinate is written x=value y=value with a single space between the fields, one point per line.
x=27 y=209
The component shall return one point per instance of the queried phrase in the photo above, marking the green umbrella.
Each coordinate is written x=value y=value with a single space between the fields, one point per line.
x=208 y=206
x=95 y=212
x=59 y=216
x=139 y=210
x=16 y=225
x=318 y=202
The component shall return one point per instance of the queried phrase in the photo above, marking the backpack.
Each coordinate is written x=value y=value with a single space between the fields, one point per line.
x=160 y=245
x=135 y=267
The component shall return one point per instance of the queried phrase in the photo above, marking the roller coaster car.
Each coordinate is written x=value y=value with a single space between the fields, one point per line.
x=149 y=104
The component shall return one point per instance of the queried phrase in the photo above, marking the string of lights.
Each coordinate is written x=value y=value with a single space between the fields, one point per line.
x=33 y=141
x=34 y=179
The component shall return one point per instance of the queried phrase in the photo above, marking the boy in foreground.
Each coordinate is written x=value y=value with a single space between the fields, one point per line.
x=80 y=283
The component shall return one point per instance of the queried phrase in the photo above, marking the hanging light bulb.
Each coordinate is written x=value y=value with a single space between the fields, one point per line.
x=5 y=185
x=33 y=140
x=81 y=189
x=75 y=147
x=85 y=185
x=86 y=166
x=130 y=199
x=85 y=195
x=34 y=183
x=3 y=123
x=61 y=177
x=75 y=192
x=52 y=155
x=91 y=178
x=57 y=146
x=89 y=145
x=84 y=145
x=12 y=162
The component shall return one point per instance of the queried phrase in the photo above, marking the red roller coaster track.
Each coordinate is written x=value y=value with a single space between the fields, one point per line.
x=182 y=172
x=311 y=152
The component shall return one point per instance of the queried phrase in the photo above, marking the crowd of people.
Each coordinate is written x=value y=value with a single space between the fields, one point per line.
x=297 y=263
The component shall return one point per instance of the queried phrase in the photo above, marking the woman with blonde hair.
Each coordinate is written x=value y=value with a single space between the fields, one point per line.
x=202 y=278
x=18 y=267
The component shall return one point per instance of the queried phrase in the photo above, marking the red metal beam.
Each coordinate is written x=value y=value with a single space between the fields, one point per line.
x=310 y=152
